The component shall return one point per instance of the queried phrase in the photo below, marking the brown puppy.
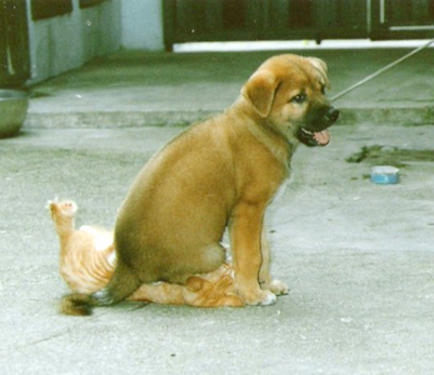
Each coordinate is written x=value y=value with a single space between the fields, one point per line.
x=220 y=173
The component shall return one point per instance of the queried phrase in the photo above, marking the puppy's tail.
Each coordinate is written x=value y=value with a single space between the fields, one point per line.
x=121 y=285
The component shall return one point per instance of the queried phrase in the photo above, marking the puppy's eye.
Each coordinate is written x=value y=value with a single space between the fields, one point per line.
x=323 y=89
x=299 y=99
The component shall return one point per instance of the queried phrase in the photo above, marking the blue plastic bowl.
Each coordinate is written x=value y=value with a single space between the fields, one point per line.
x=384 y=175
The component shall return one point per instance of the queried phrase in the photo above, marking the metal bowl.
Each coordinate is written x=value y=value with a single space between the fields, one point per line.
x=13 y=111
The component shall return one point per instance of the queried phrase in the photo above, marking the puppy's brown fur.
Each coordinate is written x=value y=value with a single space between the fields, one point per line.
x=220 y=173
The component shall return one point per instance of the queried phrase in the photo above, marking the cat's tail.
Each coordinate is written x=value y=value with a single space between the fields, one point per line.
x=123 y=283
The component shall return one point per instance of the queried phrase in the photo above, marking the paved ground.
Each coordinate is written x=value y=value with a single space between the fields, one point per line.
x=358 y=257
x=139 y=89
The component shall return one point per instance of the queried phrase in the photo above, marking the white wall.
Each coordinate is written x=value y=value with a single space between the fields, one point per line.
x=66 y=42
x=142 y=24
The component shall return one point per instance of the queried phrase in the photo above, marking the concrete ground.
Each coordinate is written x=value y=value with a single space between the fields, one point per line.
x=358 y=257
x=136 y=89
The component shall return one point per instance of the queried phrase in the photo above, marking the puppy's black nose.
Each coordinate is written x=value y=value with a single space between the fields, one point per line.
x=332 y=114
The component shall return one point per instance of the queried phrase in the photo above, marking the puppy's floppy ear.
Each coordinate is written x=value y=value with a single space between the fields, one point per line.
x=259 y=90
x=321 y=67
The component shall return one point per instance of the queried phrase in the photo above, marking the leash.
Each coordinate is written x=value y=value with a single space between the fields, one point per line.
x=382 y=70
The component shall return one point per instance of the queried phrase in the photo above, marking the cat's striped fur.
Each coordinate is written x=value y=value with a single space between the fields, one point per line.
x=87 y=256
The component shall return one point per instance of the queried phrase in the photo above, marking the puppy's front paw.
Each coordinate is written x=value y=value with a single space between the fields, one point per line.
x=277 y=287
x=261 y=297
x=270 y=299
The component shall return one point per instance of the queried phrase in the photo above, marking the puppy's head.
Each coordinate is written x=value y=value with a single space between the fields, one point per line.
x=288 y=91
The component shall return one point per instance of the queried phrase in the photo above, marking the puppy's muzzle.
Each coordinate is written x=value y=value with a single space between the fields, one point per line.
x=315 y=132
x=332 y=115
x=322 y=118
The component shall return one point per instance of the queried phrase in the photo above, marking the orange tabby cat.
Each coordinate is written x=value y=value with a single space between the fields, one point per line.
x=87 y=256
x=87 y=260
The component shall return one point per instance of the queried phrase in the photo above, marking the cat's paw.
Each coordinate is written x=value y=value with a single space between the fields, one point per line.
x=65 y=208
x=68 y=207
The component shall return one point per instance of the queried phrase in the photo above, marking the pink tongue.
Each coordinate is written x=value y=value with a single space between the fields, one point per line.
x=322 y=138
